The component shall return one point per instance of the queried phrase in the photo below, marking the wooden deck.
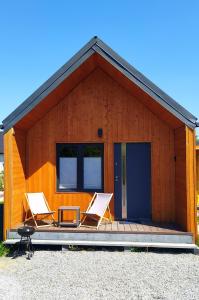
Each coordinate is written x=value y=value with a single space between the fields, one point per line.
x=119 y=227
x=125 y=234
x=115 y=227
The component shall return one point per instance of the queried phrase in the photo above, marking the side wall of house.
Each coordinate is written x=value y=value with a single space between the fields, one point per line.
x=191 y=181
x=180 y=178
x=185 y=179
x=15 y=182
x=8 y=186
x=100 y=102
x=197 y=171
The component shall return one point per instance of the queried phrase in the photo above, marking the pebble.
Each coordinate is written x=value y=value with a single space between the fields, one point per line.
x=97 y=275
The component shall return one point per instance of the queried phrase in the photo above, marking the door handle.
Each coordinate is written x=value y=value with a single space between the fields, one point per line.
x=124 y=170
x=116 y=178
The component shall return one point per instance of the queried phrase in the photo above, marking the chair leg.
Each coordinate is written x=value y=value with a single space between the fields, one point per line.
x=110 y=217
x=54 y=222
x=34 y=221
x=81 y=223
x=99 y=222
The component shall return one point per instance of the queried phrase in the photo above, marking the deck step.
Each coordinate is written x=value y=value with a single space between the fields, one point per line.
x=108 y=243
x=108 y=236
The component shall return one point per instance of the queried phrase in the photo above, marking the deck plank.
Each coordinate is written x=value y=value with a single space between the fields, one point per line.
x=147 y=228
x=120 y=227
x=127 y=227
x=108 y=227
x=140 y=227
x=114 y=226
x=133 y=227
x=102 y=227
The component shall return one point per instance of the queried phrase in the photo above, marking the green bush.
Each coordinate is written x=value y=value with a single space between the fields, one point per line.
x=4 y=250
x=1 y=181
x=138 y=249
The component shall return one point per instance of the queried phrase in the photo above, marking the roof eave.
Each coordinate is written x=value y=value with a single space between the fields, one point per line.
x=96 y=45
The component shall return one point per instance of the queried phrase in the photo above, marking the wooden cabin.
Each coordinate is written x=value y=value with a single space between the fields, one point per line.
x=98 y=124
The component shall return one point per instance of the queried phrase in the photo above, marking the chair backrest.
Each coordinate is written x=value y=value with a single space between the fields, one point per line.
x=100 y=204
x=37 y=203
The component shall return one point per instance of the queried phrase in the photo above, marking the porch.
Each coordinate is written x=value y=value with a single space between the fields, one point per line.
x=119 y=233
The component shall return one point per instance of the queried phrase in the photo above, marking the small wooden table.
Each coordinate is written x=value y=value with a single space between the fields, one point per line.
x=68 y=208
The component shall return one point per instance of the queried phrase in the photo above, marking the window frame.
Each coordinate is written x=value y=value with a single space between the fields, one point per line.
x=80 y=166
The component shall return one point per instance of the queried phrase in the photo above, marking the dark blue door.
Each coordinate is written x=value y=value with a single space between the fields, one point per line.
x=132 y=181
x=138 y=174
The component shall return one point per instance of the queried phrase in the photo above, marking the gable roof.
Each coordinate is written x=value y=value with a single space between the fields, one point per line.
x=95 y=45
x=1 y=142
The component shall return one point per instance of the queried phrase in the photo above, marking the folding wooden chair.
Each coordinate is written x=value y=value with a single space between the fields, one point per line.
x=97 y=208
x=39 y=208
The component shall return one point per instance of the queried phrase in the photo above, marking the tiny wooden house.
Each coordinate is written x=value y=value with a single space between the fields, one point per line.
x=99 y=125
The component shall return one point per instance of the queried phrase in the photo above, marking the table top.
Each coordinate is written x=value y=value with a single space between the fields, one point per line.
x=68 y=207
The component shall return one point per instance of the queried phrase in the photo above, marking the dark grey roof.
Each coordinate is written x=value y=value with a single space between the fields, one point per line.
x=96 y=45
x=1 y=142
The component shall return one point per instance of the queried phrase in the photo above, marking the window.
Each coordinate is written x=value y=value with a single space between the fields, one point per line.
x=80 y=167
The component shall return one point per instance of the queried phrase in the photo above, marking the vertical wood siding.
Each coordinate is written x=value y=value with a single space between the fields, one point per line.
x=191 y=181
x=100 y=102
x=180 y=177
x=185 y=179
x=15 y=182
x=8 y=186
x=197 y=170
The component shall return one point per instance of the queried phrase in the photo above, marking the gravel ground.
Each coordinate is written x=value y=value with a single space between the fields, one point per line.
x=100 y=275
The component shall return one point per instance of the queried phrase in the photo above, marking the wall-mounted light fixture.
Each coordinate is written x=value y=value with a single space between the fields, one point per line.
x=100 y=132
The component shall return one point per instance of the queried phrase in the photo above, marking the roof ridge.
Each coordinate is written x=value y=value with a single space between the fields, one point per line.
x=95 y=44
x=147 y=82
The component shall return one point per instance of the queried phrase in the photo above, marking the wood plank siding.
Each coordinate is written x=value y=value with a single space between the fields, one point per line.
x=197 y=170
x=15 y=183
x=99 y=100
x=191 y=180
x=180 y=178
x=185 y=178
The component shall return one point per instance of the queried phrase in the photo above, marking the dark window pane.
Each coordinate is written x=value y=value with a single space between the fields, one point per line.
x=68 y=151
x=92 y=151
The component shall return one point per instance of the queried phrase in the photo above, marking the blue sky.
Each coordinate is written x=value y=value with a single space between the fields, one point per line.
x=159 y=38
